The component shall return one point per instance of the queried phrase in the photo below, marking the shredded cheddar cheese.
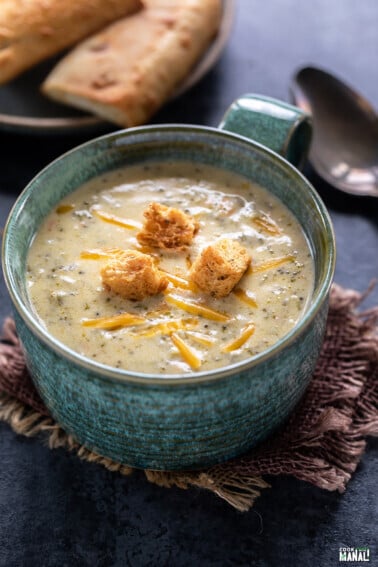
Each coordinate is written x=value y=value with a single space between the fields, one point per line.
x=64 y=208
x=246 y=333
x=167 y=327
x=98 y=253
x=148 y=250
x=178 y=281
x=186 y=352
x=201 y=338
x=269 y=264
x=196 y=308
x=118 y=221
x=267 y=224
x=114 y=322
x=245 y=296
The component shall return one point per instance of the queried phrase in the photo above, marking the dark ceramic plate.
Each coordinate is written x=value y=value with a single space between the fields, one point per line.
x=23 y=108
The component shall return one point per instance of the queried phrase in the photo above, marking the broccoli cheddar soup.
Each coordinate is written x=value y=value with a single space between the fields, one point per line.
x=169 y=268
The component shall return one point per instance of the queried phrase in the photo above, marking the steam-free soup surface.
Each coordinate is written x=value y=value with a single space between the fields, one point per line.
x=69 y=250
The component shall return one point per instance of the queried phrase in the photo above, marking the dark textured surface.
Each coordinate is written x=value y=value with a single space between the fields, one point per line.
x=58 y=511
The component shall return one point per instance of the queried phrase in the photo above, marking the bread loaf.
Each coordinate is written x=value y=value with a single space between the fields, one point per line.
x=127 y=71
x=33 y=30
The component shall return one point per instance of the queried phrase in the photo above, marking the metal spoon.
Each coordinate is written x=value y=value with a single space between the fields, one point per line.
x=344 y=149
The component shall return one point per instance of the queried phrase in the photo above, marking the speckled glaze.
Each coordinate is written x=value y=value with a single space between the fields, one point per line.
x=175 y=422
x=281 y=127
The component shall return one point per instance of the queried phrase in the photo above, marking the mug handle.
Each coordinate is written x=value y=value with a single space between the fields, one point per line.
x=283 y=128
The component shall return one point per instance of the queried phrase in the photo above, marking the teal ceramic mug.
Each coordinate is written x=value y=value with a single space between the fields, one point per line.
x=149 y=421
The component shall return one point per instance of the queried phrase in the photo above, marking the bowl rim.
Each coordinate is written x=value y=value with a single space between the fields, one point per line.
x=124 y=376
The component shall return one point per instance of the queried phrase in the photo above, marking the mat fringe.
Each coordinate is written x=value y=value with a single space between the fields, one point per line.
x=240 y=492
x=325 y=452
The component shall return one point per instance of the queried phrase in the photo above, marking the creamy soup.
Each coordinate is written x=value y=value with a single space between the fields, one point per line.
x=182 y=329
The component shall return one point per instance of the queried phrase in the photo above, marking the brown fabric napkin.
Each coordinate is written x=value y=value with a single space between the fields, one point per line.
x=321 y=443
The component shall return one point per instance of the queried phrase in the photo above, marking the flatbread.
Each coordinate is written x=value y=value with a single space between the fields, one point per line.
x=33 y=30
x=127 y=71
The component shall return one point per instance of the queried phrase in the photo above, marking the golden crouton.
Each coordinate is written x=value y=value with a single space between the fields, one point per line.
x=219 y=267
x=133 y=275
x=167 y=227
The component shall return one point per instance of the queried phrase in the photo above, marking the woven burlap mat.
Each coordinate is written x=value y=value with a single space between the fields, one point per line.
x=322 y=442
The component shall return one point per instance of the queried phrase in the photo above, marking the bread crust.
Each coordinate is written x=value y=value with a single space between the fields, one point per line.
x=167 y=228
x=133 y=275
x=220 y=266
x=128 y=70
x=33 y=30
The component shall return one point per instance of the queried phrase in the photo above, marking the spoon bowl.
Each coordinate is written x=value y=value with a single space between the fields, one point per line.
x=344 y=150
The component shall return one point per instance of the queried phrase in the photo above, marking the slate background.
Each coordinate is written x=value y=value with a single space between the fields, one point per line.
x=58 y=511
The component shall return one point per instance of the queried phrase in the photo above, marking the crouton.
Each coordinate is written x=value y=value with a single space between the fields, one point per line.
x=219 y=267
x=167 y=228
x=133 y=275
